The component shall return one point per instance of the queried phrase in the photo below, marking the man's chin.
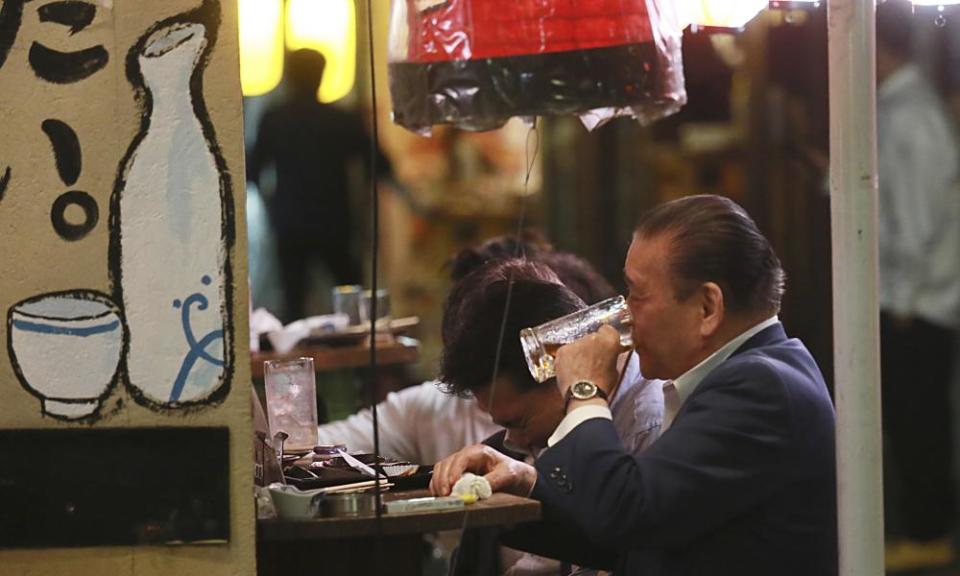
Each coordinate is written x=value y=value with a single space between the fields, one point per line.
x=648 y=369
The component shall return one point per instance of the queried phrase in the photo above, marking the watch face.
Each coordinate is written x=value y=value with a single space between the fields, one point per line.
x=583 y=390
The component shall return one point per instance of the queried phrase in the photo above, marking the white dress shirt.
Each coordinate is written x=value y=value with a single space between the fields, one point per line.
x=674 y=392
x=420 y=424
x=919 y=225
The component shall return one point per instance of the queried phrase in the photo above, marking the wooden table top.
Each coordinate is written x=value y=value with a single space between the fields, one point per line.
x=338 y=357
x=498 y=510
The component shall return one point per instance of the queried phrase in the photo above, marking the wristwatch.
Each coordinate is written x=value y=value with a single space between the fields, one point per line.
x=583 y=390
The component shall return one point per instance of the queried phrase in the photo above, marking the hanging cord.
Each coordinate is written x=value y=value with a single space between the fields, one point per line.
x=533 y=136
x=375 y=249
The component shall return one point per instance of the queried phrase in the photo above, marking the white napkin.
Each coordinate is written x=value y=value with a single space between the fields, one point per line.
x=284 y=339
x=262 y=321
x=472 y=484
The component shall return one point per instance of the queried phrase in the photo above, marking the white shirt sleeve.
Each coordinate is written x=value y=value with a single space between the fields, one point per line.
x=576 y=417
x=397 y=416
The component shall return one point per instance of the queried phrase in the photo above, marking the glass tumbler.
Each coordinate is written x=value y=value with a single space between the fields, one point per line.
x=347 y=299
x=383 y=307
x=291 y=387
x=542 y=342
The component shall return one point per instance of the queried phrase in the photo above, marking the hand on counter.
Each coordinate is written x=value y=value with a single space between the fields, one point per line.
x=502 y=472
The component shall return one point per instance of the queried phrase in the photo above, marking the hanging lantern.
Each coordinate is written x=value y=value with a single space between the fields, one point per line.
x=329 y=27
x=477 y=63
x=720 y=14
x=261 y=45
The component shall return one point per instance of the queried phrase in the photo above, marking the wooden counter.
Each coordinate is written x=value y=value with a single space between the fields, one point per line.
x=498 y=510
x=348 y=545
x=339 y=357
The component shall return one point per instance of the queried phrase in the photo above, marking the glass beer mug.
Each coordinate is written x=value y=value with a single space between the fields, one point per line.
x=542 y=342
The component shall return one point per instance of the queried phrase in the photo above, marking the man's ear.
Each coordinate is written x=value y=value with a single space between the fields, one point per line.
x=712 y=309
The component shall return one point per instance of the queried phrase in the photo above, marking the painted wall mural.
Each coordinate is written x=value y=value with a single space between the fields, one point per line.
x=172 y=224
x=122 y=124
x=83 y=326
x=11 y=14
x=165 y=330
x=4 y=180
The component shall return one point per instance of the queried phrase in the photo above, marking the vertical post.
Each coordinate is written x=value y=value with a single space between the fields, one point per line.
x=853 y=193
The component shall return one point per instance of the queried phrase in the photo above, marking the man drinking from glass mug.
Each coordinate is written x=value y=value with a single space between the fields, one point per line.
x=742 y=479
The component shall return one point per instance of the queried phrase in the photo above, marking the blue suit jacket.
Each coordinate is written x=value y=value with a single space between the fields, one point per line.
x=743 y=482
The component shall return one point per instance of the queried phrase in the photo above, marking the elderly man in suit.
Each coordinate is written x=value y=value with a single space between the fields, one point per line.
x=742 y=479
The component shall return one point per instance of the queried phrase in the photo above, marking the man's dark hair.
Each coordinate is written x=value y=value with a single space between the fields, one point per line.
x=895 y=27
x=305 y=71
x=474 y=313
x=578 y=275
x=574 y=272
x=530 y=244
x=713 y=239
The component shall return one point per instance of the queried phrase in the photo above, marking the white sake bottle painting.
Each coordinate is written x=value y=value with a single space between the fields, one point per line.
x=171 y=229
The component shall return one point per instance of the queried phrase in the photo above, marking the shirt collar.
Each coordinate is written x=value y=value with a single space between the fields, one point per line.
x=689 y=380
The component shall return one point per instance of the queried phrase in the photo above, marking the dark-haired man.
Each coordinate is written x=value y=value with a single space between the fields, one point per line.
x=476 y=362
x=482 y=357
x=742 y=478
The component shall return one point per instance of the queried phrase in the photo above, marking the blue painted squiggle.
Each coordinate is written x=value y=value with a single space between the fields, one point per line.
x=189 y=361
x=197 y=349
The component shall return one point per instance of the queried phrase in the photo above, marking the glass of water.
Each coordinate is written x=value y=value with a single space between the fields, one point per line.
x=383 y=307
x=541 y=343
x=347 y=299
x=291 y=387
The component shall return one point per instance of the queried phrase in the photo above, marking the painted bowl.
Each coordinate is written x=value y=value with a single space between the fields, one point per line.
x=65 y=348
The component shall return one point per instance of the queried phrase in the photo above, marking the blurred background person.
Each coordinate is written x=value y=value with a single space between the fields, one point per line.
x=311 y=145
x=919 y=293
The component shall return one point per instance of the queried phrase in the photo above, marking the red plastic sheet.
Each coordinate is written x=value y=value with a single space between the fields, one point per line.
x=476 y=63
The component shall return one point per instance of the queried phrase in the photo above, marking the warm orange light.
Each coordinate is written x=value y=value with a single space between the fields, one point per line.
x=732 y=14
x=261 y=45
x=329 y=27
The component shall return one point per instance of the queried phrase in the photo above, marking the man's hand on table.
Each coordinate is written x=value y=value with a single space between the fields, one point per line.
x=502 y=472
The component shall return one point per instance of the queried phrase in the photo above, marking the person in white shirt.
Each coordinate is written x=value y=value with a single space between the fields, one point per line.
x=423 y=424
x=919 y=234
x=420 y=424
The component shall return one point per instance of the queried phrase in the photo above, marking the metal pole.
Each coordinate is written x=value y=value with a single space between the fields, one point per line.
x=856 y=317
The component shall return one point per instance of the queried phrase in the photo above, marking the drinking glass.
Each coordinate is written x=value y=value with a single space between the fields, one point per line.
x=291 y=388
x=383 y=306
x=347 y=300
x=542 y=342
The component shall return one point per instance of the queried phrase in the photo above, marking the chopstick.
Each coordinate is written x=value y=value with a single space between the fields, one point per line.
x=356 y=486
